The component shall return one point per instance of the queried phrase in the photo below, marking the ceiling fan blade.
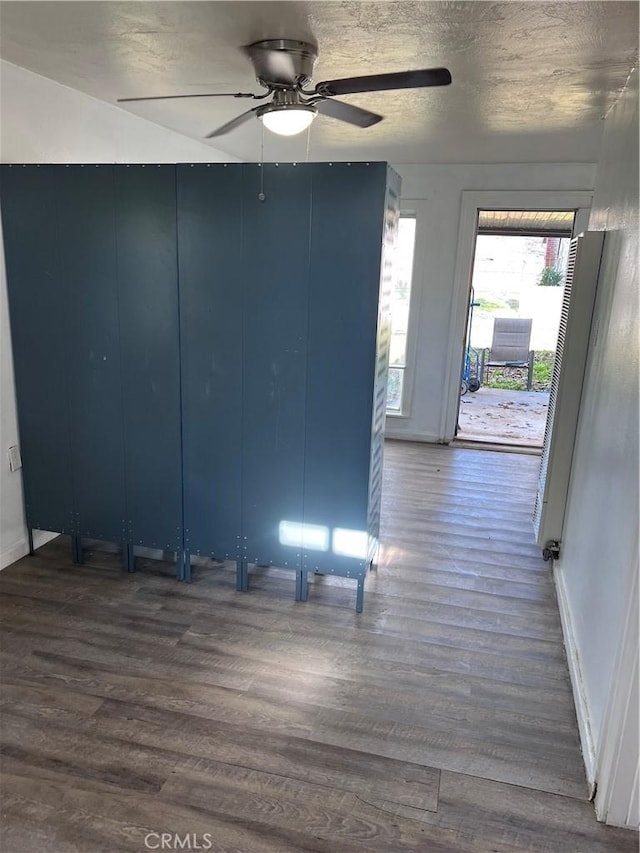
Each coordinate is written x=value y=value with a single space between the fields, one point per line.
x=198 y=95
x=384 y=82
x=347 y=112
x=231 y=125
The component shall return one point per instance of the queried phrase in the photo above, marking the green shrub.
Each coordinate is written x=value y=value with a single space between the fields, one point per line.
x=487 y=305
x=542 y=371
x=515 y=378
x=551 y=277
x=501 y=379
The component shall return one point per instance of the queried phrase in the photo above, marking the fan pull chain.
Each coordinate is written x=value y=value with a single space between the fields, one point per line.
x=261 y=195
x=308 y=144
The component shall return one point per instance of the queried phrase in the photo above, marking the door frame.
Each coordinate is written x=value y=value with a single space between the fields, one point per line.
x=472 y=202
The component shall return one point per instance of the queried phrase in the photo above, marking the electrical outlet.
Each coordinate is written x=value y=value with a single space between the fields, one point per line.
x=15 y=462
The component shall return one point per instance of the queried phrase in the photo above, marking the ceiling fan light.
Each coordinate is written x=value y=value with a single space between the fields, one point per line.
x=287 y=121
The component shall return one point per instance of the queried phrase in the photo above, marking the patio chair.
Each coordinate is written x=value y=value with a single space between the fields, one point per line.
x=510 y=347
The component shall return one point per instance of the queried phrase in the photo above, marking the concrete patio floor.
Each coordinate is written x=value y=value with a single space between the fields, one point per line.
x=503 y=417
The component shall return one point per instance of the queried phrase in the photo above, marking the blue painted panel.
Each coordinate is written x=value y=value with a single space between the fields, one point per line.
x=150 y=352
x=275 y=267
x=40 y=334
x=210 y=232
x=346 y=246
x=268 y=425
x=87 y=246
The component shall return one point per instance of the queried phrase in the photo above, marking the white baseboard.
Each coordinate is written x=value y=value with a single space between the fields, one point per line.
x=577 y=682
x=16 y=552
x=21 y=548
x=617 y=799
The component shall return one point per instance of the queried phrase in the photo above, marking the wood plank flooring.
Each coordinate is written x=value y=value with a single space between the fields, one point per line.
x=440 y=719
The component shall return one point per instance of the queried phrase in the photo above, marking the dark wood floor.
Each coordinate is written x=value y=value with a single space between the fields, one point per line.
x=440 y=719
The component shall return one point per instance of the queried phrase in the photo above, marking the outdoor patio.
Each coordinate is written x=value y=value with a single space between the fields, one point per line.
x=499 y=416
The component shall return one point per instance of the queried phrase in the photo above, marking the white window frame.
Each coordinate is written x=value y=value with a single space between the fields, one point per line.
x=411 y=210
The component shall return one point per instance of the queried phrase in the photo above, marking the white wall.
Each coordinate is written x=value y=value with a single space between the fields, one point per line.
x=599 y=558
x=44 y=122
x=434 y=193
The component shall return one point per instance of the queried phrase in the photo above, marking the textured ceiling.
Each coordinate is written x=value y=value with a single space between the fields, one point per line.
x=531 y=81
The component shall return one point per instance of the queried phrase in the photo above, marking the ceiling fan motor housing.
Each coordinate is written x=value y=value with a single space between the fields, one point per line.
x=285 y=100
x=283 y=63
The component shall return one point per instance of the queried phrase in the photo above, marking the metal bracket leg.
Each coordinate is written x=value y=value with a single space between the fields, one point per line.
x=76 y=550
x=302 y=586
x=128 y=558
x=32 y=550
x=360 y=596
x=242 y=576
x=183 y=568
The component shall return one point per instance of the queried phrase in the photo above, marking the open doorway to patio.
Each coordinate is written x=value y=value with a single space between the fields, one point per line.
x=514 y=308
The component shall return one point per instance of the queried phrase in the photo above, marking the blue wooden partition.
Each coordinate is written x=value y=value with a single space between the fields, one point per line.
x=147 y=279
x=86 y=238
x=345 y=353
x=210 y=254
x=275 y=272
x=201 y=357
x=40 y=332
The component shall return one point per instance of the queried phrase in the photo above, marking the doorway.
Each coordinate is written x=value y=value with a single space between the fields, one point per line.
x=513 y=311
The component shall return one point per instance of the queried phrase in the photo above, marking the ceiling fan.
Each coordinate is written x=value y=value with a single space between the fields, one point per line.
x=284 y=67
